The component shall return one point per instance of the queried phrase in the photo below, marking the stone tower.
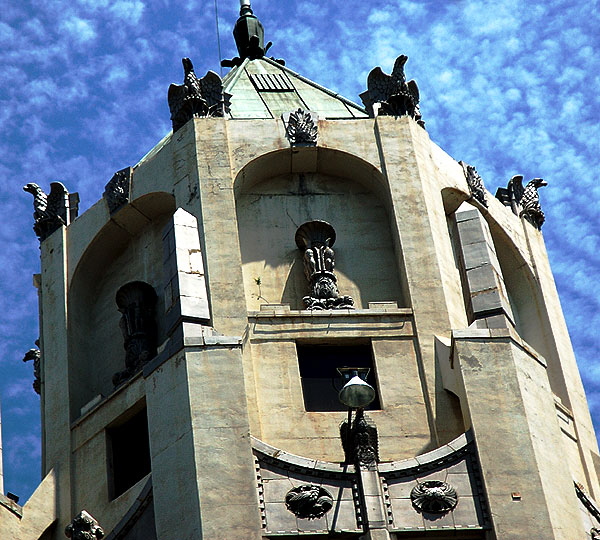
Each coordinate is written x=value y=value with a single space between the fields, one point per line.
x=193 y=322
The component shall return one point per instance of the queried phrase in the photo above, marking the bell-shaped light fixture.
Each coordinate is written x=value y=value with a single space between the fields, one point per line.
x=356 y=393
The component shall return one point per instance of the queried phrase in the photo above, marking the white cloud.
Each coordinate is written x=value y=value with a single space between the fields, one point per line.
x=129 y=11
x=80 y=29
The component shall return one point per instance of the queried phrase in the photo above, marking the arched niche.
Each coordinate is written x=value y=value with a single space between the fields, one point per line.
x=526 y=300
x=273 y=200
x=528 y=307
x=128 y=248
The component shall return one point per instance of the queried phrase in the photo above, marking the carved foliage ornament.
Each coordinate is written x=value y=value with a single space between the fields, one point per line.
x=475 y=183
x=315 y=239
x=301 y=127
x=524 y=201
x=308 y=501
x=196 y=97
x=116 y=192
x=136 y=302
x=53 y=210
x=434 y=497
x=84 y=527
x=395 y=96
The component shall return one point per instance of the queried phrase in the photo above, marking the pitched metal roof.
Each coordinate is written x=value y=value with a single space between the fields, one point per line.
x=263 y=88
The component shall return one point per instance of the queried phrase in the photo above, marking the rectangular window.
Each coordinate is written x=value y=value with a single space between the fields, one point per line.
x=321 y=382
x=128 y=449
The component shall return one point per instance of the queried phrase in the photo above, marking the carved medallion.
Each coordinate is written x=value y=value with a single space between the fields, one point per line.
x=434 y=497
x=308 y=501
x=84 y=527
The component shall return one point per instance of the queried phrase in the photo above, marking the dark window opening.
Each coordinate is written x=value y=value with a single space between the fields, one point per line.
x=128 y=453
x=321 y=382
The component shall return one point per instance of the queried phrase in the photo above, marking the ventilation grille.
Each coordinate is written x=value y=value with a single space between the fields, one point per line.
x=271 y=82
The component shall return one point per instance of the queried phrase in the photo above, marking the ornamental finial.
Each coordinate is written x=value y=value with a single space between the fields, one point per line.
x=249 y=36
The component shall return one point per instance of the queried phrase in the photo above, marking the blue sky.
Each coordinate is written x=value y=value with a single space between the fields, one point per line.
x=507 y=86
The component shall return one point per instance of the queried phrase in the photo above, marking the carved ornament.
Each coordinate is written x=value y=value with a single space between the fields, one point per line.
x=36 y=356
x=434 y=497
x=392 y=93
x=196 y=97
x=315 y=239
x=308 y=501
x=116 y=192
x=475 y=183
x=53 y=210
x=360 y=442
x=524 y=201
x=84 y=527
x=136 y=302
x=301 y=127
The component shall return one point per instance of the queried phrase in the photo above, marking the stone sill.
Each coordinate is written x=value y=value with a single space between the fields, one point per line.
x=376 y=309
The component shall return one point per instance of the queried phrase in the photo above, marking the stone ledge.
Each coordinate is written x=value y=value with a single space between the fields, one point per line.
x=11 y=505
x=498 y=334
x=270 y=311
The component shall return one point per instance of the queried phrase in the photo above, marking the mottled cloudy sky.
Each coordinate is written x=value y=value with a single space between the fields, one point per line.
x=508 y=86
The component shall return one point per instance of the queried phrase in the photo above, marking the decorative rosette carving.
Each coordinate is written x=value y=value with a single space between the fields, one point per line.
x=434 y=497
x=308 y=501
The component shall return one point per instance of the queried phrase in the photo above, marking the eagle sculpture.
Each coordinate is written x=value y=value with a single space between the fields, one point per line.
x=196 y=97
x=395 y=96
x=525 y=201
x=360 y=441
x=50 y=211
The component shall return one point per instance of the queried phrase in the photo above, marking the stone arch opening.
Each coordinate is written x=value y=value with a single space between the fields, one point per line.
x=273 y=200
x=123 y=251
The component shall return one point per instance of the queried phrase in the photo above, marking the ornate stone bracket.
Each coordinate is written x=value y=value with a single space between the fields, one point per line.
x=434 y=497
x=475 y=183
x=36 y=356
x=524 y=201
x=196 y=97
x=315 y=239
x=136 y=302
x=116 y=192
x=308 y=501
x=301 y=127
x=53 y=210
x=360 y=442
x=84 y=527
x=392 y=93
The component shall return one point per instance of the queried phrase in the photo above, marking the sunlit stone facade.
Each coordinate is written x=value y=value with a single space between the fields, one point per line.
x=187 y=392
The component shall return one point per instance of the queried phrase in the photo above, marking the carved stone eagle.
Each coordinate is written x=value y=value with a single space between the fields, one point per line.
x=196 y=97
x=395 y=96
x=52 y=210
